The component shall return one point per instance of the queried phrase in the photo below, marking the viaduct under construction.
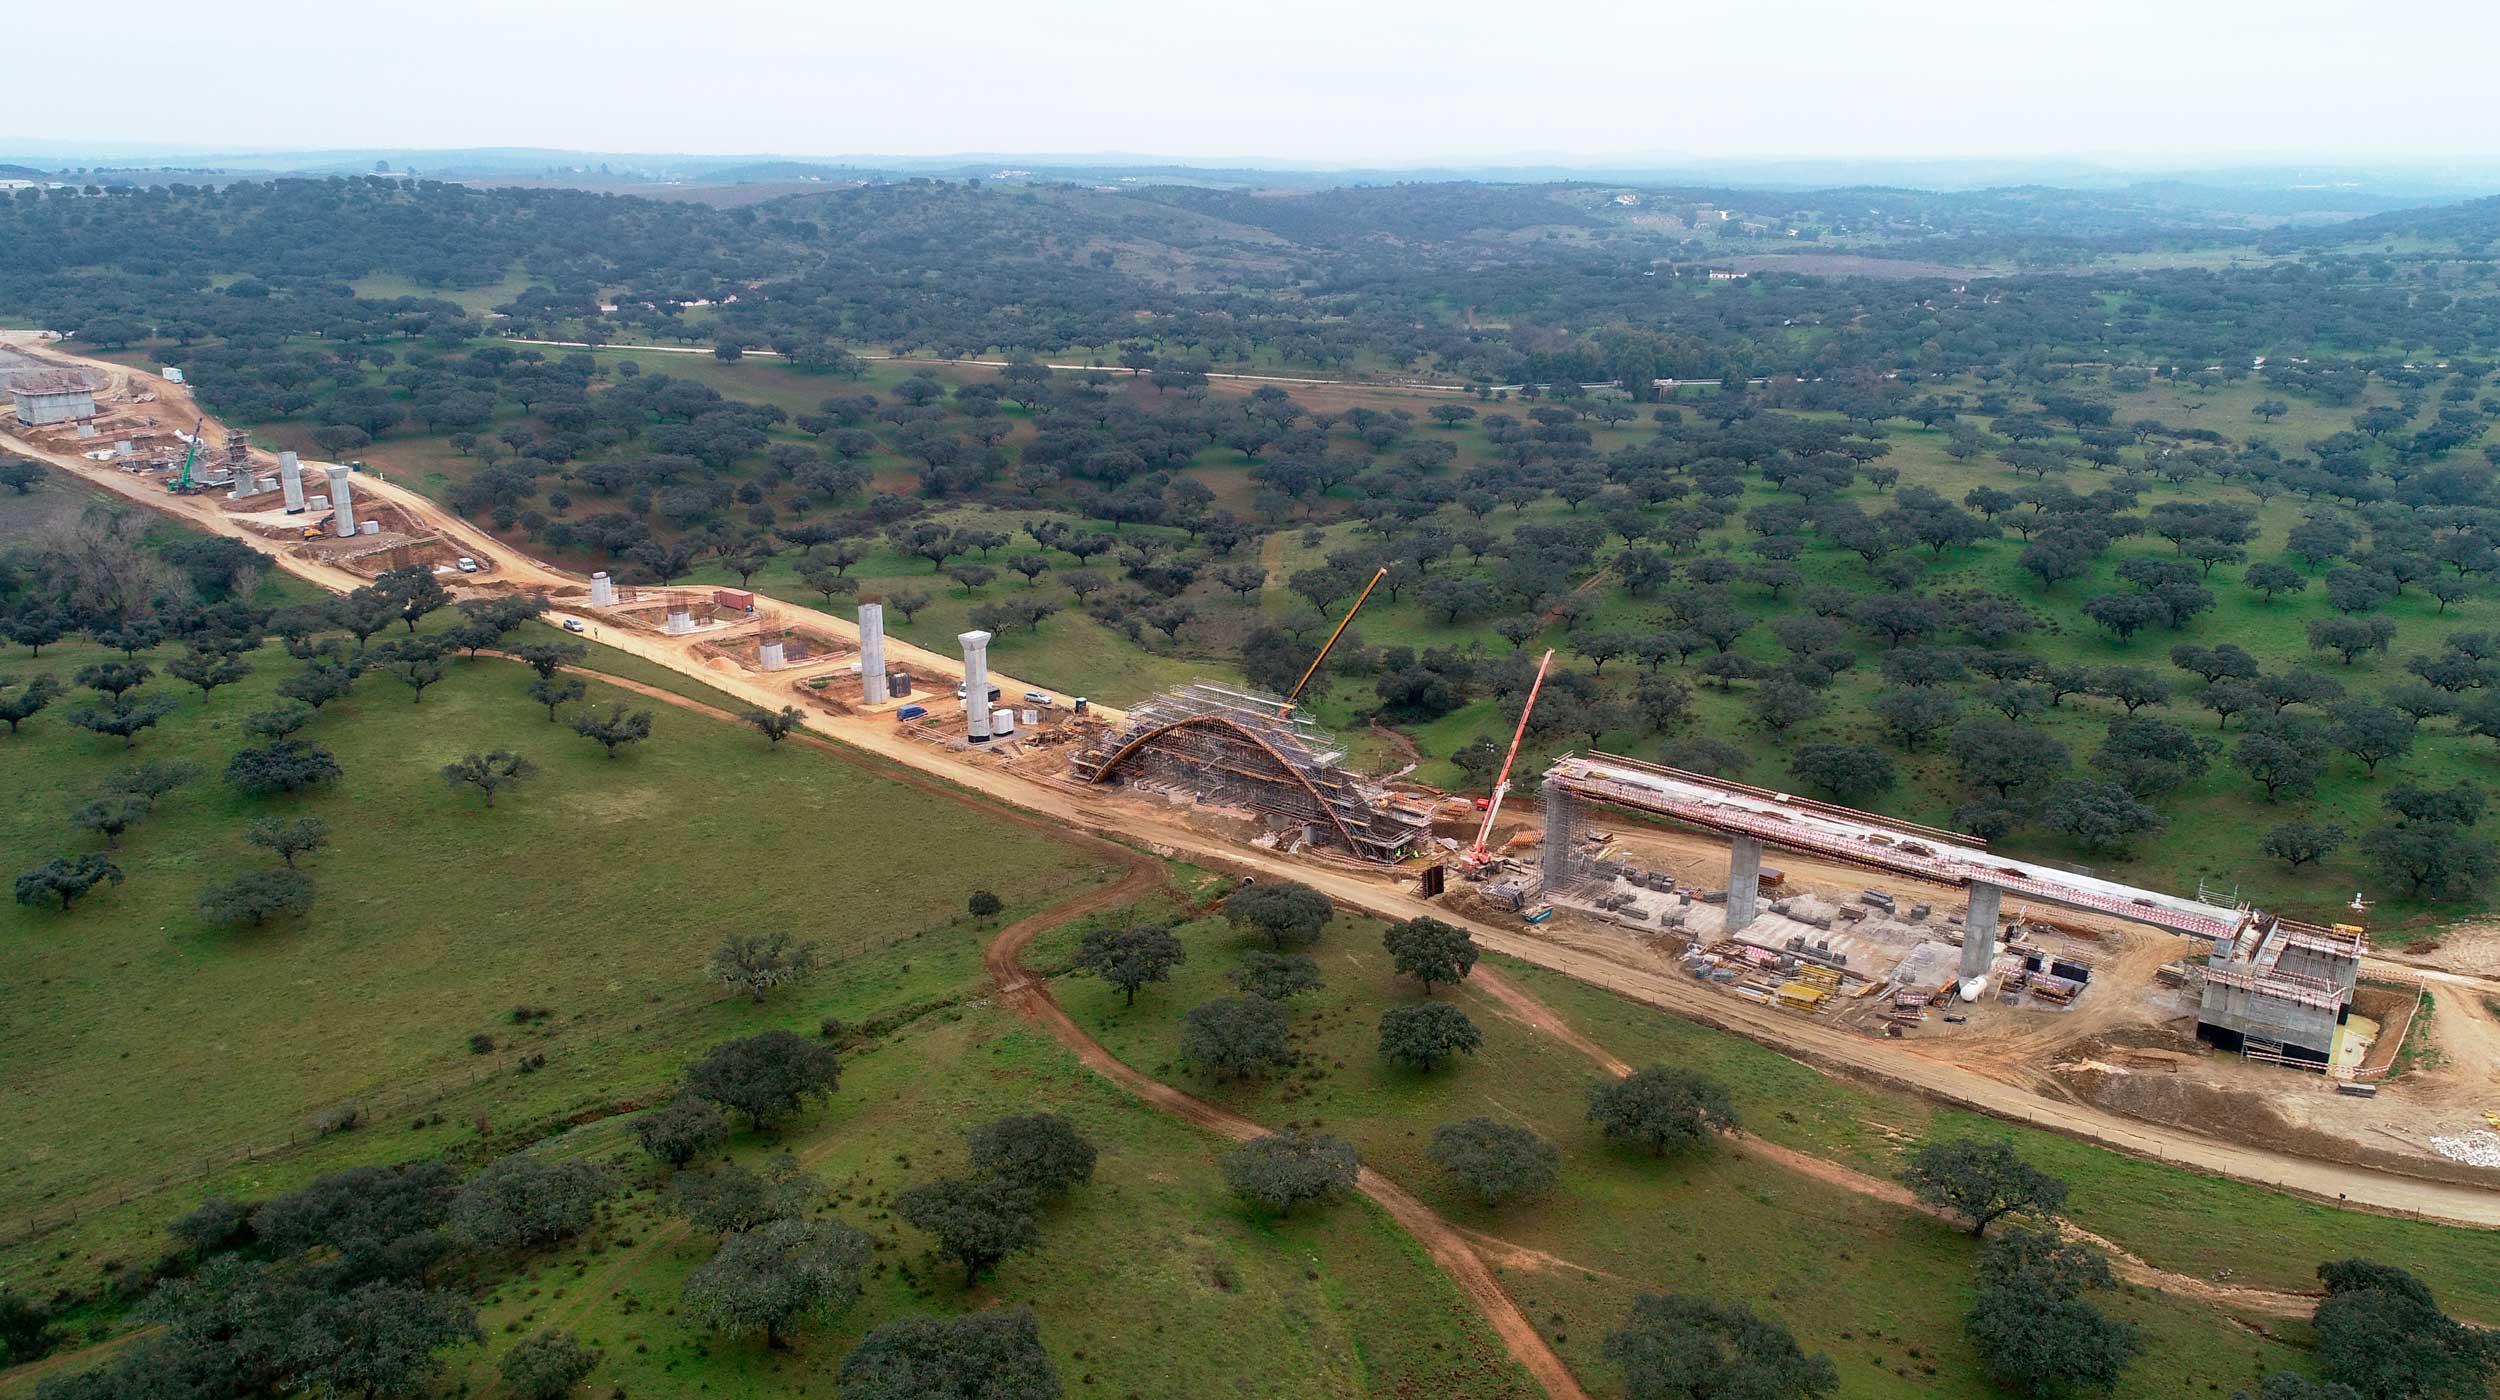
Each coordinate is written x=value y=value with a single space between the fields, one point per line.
x=2274 y=988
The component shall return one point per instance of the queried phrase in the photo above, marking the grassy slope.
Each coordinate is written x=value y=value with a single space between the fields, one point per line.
x=1879 y=1289
x=1150 y=1281
x=596 y=890
x=2152 y=1209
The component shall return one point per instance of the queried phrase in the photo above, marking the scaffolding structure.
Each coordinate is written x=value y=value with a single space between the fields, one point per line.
x=1244 y=749
x=2276 y=989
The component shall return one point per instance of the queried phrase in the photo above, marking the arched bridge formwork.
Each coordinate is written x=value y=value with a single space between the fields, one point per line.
x=1222 y=744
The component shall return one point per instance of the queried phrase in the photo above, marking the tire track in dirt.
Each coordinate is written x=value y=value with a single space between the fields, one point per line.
x=21 y=1380
x=1446 y=1244
x=1521 y=1005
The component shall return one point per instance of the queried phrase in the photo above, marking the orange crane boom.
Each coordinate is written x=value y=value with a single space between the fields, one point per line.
x=1501 y=785
x=1286 y=710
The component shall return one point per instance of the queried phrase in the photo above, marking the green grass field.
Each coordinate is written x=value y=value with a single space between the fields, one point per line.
x=382 y=286
x=1150 y=1281
x=149 y=1044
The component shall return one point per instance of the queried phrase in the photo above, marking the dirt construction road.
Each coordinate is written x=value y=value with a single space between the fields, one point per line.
x=1376 y=894
x=1449 y=1247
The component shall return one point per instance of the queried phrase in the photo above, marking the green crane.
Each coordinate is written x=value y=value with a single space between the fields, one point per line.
x=183 y=482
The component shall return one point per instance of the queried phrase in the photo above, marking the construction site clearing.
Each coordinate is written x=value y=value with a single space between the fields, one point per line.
x=309 y=510
x=2197 y=1013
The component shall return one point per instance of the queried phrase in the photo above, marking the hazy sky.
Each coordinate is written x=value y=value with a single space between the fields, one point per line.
x=1339 y=80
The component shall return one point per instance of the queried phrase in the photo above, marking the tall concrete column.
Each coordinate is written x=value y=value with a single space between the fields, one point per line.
x=1744 y=881
x=872 y=653
x=291 y=479
x=976 y=647
x=1979 y=929
x=342 y=504
x=602 y=591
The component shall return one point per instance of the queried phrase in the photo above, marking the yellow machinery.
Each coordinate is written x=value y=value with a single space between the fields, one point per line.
x=1285 y=711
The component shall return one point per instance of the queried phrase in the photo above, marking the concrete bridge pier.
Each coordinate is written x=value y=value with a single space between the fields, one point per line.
x=1979 y=929
x=1744 y=881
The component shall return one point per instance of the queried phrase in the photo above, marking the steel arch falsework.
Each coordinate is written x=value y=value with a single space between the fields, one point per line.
x=1236 y=748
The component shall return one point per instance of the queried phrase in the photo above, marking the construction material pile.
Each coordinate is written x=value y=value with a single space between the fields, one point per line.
x=2479 y=1148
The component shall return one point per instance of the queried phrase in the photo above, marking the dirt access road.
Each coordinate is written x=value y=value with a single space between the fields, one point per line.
x=1522 y=1006
x=1380 y=895
x=1450 y=1248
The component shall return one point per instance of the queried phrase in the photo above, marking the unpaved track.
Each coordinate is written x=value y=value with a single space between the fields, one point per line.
x=1799 y=1036
x=1448 y=1246
x=1523 y=1006
x=1144 y=877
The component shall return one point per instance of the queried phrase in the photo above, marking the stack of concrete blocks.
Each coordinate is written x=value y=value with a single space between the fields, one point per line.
x=976 y=647
x=342 y=504
x=872 y=671
x=602 y=591
x=291 y=481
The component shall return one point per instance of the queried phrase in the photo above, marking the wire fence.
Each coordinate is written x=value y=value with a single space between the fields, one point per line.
x=324 y=1123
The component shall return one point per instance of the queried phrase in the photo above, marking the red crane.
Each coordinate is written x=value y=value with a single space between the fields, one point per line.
x=1477 y=854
